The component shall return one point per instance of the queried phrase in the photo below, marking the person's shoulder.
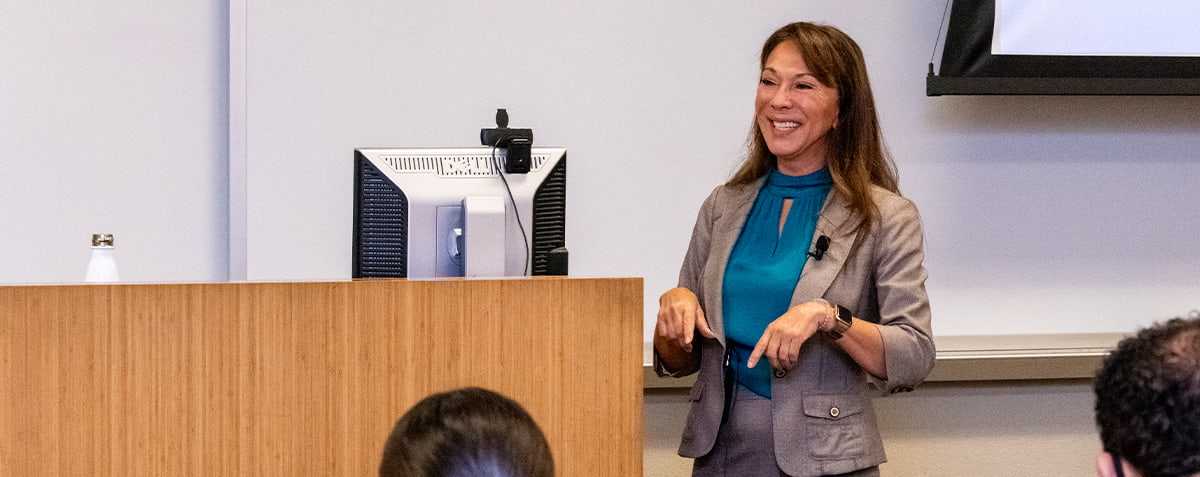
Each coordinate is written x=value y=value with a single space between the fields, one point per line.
x=727 y=191
x=732 y=188
x=891 y=203
x=894 y=210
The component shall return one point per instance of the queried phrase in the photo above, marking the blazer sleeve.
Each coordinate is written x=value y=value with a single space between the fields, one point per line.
x=691 y=276
x=903 y=302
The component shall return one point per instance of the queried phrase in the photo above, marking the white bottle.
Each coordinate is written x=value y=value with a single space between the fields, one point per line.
x=103 y=265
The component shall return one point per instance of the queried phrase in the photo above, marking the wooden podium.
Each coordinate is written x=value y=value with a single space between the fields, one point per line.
x=307 y=379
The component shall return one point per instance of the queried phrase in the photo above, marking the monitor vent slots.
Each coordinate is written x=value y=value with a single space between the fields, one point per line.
x=549 y=217
x=380 y=231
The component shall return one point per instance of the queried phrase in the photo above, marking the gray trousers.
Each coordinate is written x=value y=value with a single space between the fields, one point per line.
x=744 y=446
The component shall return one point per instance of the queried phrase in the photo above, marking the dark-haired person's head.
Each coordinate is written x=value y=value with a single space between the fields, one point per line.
x=468 y=432
x=1148 y=403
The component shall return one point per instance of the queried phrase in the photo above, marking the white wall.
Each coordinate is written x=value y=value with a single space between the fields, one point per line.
x=113 y=120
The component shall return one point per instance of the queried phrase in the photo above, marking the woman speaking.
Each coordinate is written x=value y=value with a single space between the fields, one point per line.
x=804 y=284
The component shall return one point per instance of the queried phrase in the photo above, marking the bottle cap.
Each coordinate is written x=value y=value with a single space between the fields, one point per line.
x=102 y=240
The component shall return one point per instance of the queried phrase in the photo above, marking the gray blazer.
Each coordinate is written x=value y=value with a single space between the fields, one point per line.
x=824 y=422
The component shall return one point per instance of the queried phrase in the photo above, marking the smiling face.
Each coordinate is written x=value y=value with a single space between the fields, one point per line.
x=794 y=111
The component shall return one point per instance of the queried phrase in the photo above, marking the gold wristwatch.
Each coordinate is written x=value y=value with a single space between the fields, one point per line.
x=844 y=319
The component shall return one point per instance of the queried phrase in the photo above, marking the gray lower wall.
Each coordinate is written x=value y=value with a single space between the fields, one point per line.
x=998 y=428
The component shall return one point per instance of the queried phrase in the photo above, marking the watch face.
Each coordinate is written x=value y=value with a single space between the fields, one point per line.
x=844 y=315
x=842 y=323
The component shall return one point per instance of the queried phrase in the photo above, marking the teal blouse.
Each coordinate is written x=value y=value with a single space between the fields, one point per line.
x=765 y=266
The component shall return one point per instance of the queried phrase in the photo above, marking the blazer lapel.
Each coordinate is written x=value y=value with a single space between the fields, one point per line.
x=837 y=223
x=727 y=227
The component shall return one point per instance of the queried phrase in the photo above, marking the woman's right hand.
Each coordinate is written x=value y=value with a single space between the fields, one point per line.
x=679 y=317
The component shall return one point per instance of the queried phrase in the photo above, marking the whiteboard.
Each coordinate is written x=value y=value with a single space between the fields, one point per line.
x=1042 y=215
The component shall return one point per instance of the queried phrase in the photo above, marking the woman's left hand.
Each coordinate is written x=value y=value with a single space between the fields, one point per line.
x=780 y=343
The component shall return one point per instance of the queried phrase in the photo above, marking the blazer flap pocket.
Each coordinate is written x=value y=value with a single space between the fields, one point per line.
x=832 y=406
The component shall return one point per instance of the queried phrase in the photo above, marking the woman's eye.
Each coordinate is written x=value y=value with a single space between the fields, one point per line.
x=766 y=82
x=804 y=86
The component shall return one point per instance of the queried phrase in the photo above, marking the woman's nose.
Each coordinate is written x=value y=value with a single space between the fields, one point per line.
x=781 y=98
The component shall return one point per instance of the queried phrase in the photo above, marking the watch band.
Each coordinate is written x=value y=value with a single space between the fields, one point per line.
x=844 y=319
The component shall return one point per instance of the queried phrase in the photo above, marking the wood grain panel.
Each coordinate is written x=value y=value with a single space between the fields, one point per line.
x=294 y=379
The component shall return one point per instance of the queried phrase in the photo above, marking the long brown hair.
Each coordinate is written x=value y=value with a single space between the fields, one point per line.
x=856 y=157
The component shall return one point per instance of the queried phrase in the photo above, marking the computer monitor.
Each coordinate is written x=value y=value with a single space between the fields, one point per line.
x=449 y=212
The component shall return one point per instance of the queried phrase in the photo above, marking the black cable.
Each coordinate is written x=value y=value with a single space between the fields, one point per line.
x=938 y=38
x=516 y=211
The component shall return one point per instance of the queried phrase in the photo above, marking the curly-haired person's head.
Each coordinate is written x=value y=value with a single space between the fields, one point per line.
x=1148 y=402
x=468 y=432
